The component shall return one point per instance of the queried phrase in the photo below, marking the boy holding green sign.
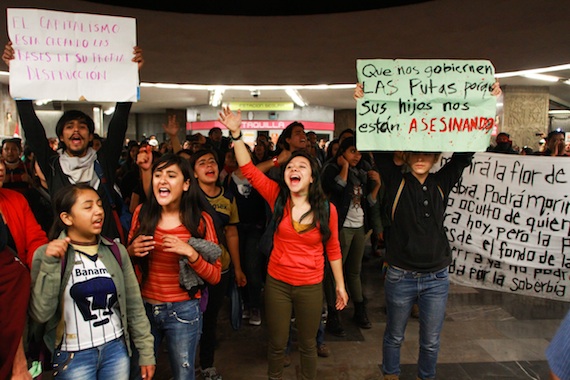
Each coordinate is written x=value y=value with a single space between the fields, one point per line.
x=417 y=249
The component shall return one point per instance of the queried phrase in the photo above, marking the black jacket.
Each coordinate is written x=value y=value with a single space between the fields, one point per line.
x=108 y=156
x=416 y=239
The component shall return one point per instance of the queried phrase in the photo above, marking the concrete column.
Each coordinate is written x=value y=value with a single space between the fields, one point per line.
x=344 y=119
x=525 y=113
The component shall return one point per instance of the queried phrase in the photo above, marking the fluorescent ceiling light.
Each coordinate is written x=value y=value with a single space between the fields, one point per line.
x=559 y=112
x=216 y=97
x=533 y=71
x=179 y=86
x=294 y=95
x=547 y=78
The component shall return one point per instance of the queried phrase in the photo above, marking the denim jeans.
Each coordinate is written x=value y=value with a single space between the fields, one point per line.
x=108 y=361
x=402 y=289
x=181 y=324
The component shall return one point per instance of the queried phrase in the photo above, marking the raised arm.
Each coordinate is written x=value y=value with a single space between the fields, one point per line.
x=171 y=129
x=232 y=121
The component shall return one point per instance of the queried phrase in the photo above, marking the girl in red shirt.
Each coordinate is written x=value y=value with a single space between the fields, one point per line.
x=305 y=230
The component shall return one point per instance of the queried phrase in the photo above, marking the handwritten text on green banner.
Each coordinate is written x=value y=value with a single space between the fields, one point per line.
x=425 y=105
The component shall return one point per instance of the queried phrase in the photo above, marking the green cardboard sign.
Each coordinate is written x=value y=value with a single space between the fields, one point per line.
x=425 y=105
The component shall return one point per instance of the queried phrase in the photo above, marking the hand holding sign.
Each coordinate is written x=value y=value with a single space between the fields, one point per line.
x=71 y=56
x=425 y=105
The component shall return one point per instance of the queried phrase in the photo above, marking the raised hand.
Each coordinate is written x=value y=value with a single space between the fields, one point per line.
x=144 y=158
x=138 y=56
x=172 y=127
x=231 y=120
x=8 y=54
x=358 y=91
x=496 y=88
x=57 y=248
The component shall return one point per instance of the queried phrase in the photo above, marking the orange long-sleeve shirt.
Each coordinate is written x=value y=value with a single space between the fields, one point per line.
x=297 y=258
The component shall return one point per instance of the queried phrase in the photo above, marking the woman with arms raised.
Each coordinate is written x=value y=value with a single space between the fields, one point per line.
x=306 y=228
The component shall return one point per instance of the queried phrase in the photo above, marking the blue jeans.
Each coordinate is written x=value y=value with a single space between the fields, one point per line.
x=403 y=289
x=181 y=324
x=108 y=361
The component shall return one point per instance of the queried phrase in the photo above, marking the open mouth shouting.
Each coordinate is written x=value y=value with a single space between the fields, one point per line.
x=163 y=192
x=98 y=223
x=294 y=179
x=76 y=141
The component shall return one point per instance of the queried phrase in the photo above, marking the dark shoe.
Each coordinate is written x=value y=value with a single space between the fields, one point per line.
x=360 y=316
x=211 y=374
x=333 y=325
x=255 y=317
x=323 y=351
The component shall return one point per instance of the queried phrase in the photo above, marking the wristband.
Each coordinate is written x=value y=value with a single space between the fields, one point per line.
x=275 y=160
x=238 y=138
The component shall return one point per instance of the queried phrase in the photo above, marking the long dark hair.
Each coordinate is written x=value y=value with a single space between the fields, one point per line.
x=317 y=199
x=191 y=203
x=62 y=201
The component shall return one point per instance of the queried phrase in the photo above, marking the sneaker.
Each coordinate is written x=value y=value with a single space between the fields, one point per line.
x=246 y=313
x=323 y=351
x=211 y=374
x=287 y=360
x=255 y=317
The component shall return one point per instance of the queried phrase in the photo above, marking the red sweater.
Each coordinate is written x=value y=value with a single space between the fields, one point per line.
x=162 y=282
x=297 y=258
x=27 y=233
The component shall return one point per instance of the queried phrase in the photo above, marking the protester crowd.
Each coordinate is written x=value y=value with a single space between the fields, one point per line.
x=127 y=244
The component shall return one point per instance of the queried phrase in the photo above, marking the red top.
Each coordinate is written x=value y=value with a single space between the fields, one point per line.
x=162 y=281
x=297 y=258
x=25 y=230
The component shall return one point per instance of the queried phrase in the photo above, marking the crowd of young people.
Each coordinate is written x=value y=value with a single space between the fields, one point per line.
x=190 y=223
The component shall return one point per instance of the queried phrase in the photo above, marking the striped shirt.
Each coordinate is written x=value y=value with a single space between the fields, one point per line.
x=162 y=282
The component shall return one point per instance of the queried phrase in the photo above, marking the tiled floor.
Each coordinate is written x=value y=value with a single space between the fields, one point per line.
x=486 y=335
